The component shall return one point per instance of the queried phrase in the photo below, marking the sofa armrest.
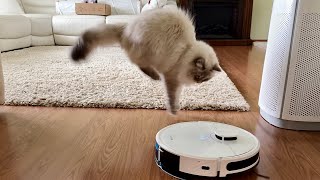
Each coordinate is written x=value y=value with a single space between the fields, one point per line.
x=15 y=32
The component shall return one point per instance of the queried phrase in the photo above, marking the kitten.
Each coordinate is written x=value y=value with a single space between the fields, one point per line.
x=162 y=43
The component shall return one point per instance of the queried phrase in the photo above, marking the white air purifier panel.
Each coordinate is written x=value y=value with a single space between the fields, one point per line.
x=280 y=35
x=290 y=89
x=302 y=101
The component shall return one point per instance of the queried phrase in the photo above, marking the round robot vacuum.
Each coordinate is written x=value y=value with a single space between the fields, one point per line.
x=205 y=149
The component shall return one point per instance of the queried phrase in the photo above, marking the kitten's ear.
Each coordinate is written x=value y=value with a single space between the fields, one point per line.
x=216 y=67
x=199 y=63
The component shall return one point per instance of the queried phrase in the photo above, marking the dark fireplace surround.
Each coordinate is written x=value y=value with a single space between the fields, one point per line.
x=221 y=22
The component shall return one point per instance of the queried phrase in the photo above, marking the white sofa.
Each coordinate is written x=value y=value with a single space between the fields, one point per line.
x=26 y=23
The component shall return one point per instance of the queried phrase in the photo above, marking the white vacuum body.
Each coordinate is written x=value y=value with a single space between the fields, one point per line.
x=205 y=149
x=290 y=88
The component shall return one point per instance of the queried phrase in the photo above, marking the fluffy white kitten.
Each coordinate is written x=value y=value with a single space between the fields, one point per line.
x=162 y=42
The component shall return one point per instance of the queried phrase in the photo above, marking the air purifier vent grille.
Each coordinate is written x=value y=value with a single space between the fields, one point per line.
x=278 y=48
x=305 y=100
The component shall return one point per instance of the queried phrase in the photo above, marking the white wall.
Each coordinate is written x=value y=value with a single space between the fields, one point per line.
x=261 y=15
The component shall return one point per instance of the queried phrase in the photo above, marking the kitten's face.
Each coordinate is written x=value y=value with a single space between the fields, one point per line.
x=202 y=70
x=204 y=65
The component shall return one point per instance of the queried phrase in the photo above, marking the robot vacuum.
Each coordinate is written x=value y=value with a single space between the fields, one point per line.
x=205 y=149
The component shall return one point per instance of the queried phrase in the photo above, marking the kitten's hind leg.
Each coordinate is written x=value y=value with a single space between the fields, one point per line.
x=173 y=93
x=150 y=72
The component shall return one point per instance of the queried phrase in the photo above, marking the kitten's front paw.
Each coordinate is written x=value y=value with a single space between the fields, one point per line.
x=173 y=110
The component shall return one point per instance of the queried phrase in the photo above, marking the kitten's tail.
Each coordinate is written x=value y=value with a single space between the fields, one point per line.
x=99 y=36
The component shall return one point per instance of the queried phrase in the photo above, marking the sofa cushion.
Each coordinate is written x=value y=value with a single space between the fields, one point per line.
x=16 y=26
x=114 y=19
x=67 y=28
x=74 y=25
x=16 y=43
x=41 y=24
x=39 y=6
x=16 y=33
x=65 y=40
x=11 y=7
x=42 y=40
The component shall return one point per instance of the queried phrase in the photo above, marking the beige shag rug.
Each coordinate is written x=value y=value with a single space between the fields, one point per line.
x=45 y=76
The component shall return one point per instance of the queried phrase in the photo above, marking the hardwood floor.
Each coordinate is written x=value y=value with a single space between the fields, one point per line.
x=73 y=143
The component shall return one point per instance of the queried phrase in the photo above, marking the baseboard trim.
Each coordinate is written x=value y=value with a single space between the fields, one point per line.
x=260 y=40
x=229 y=42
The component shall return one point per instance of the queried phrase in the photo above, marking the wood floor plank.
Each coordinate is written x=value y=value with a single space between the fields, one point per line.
x=89 y=144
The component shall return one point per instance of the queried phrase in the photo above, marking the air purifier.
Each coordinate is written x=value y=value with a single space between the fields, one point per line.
x=290 y=88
